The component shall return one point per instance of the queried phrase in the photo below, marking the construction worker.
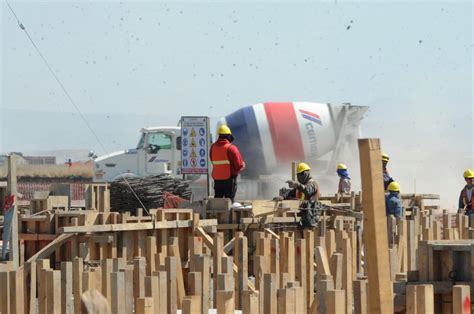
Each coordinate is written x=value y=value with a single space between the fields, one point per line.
x=227 y=163
x=466 y=198
x=305 y=188
x=393 y=203
x=344 y=179
x=387 y=179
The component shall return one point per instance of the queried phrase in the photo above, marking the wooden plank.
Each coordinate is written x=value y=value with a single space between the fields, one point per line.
x=14 y=255
x=5 y=292
x=173 y=250
x=77 y=269
x=425 y=299
x=106 y=271
x=309 y=239
x=137 y=226
x=139 y=272
x=225 y=303
x=150 y=255
x=285 y=301
x=118 y=292
x=347 y=274
x=53 y=293
x=241 y=282
x=411 y=299
x=17 y=301
x=250 y=303
x=322 y=261
x=52 y=246
x=32 y=304
x=274 y=256
x=202 y=265
x=335 y=301
x=210 y=243
x=270 y=294
x=171 y=266
x=67 y=305
x=192 y=305
x=128 y=286
x=290 y=257
x=217 y=253
x=144 y=306
x=300 y=274
x=375 y=227
x=336 y=269
x=41 y=267
x=461 y=299
x=360 y=296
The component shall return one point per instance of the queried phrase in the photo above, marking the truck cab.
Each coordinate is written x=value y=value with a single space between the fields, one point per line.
x=157 y=152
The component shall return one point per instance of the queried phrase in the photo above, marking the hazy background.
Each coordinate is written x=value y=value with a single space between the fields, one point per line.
x=132 y=64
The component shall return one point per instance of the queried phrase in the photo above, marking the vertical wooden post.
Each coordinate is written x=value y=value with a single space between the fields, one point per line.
x=170 y=264
x=270 y=297
x=216 y=265
x=461 y=299
x=335 y=301
x=12 y=190
x=250 y=303
x=411 y=299
x=17 y=304
x=301 y=268
x=425 y=299
x=66 y=288
x=373 y=199
x=53 y=293
x=275 y=256
x=360 y=296
x=150 y=255
x=139 y=271
x=240 y=254
x=118 y=292
x=5 y=294
x=77 y=265
x=309 y=238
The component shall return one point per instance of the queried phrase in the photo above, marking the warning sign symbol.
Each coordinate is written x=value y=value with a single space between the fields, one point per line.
x=193 y=142
x=193 y=132
x=193 y=153
x=193 y=162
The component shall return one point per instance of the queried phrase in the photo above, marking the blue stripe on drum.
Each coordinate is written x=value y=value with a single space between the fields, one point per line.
x=243 y=125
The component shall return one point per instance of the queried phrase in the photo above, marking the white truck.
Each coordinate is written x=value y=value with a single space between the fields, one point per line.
x=269 y=136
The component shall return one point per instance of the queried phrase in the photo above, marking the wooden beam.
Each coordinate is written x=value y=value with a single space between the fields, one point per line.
x=210 y=243
x=461 y=299
x=12 y=190
x=375 y=227
x=52 y=246
x=137 y=226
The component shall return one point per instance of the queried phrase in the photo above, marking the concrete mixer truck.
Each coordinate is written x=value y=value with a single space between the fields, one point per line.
x=269 y=135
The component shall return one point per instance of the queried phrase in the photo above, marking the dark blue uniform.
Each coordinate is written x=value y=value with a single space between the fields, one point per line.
x=393 y=205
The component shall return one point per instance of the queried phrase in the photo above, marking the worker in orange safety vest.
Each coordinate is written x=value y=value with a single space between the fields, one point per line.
x=227 y=163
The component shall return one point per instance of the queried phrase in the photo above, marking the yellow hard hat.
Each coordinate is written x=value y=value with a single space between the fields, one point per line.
x=385 y=157
x=468 y=174
x=302 y=167
x=224 y=130
x=394 y=187
x=341 y=166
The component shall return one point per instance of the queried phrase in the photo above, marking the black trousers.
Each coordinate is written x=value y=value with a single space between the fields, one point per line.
x=225 y=188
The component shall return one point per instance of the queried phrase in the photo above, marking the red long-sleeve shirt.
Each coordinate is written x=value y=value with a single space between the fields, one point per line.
x=233 y=153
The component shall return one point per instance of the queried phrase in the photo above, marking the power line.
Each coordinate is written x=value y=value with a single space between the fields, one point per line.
x=22 y=27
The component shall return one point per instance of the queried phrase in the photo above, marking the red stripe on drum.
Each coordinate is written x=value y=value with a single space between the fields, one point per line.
x=285 y=131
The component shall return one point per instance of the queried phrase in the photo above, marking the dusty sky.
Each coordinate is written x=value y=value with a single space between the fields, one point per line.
x=411 y=62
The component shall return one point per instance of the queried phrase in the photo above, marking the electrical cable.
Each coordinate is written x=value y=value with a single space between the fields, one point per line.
x=23 y=28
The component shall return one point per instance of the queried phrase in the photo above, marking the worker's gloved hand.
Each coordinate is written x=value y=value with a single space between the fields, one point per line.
x=292 y=184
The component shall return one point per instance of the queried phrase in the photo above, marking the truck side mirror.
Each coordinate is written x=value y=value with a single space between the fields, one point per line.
x=178 y=143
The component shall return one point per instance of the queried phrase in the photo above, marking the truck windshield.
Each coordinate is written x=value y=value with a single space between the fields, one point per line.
x=141 y=141
x=158 y=141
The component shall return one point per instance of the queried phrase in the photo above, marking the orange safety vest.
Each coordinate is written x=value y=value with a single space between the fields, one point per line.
x=301 y=196
x=220 y=162
x=464 y=197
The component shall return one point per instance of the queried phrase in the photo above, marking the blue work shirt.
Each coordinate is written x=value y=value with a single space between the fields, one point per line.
x=387 y=179
x=393 y=205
